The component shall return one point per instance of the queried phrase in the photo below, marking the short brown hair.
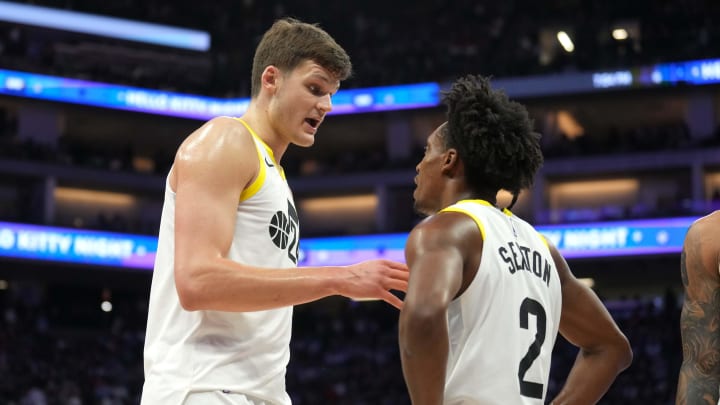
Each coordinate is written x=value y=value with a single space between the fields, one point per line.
x=289 y=42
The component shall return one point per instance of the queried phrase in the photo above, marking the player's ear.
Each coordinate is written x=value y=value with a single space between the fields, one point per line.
x=451 y=160
x=270 y=77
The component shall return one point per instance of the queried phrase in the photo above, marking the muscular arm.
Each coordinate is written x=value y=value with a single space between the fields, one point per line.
x=435 y=254
x=211 y=169
x=700 y=319
x=586 y=323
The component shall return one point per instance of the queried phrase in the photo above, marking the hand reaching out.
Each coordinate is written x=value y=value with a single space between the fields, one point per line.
x=374 y=279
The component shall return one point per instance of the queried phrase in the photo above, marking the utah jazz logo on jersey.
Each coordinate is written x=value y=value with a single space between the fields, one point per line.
x=284 y=231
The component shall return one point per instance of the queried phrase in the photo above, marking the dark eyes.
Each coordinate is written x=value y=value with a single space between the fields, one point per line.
x=316 y=90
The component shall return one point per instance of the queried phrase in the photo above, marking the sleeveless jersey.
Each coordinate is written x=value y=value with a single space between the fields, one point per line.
x=502 y=328
x=242 y=352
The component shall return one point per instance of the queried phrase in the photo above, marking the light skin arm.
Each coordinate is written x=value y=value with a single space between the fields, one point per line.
x=700 y=318
x=435 y=253
x=586 y=323
x=211 y=169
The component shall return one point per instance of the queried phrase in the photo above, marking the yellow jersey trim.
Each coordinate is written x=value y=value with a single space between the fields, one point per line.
x=267 y=148
x=482 y=229
x=480 y=225
x=544 y=239
x=483 y=202
x=255 y=186
x=455 y=208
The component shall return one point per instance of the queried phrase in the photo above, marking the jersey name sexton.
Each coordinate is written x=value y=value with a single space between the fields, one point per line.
x=520 y=257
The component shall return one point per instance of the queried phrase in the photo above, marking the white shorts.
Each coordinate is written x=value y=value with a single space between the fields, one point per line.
x=222 y=398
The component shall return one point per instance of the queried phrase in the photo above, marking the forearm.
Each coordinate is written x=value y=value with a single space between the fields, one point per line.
x=591 y=377
x=224 y=285
x=696 y=387
x=424 y=352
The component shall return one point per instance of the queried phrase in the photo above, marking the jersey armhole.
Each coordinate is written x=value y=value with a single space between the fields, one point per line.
x=544 y=240
x=254 y=187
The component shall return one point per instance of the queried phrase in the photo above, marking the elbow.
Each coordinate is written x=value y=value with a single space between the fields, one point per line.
x=419 y=323
x=188 y=289
x=188 y=300
x=615 y=352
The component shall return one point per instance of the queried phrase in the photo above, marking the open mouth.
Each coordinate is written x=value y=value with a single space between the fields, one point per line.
x=312 y=122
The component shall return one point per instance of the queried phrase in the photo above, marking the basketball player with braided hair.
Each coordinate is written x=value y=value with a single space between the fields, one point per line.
x=225 y=276
x=487 y=293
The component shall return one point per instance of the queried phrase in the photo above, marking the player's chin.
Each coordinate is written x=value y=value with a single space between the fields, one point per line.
x=417 y=205
x=421 y=207
x=420 y=210
x=416 y=195
x=305 y=140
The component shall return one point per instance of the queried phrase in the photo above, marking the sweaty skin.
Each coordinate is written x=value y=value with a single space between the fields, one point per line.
x=444 y=252
x=699 y=379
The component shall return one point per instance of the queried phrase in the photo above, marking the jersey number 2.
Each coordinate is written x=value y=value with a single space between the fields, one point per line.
x=530 y=306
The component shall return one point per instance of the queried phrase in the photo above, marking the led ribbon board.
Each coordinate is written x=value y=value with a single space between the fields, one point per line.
x=344 y=250
x=695 y=72
x=354 y=101
x=620 y=238
x=602 y=239
x=46 y=243
x=104 y=95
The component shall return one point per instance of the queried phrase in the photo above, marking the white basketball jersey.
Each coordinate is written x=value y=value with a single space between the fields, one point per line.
x=241 y=352
x=503 y=326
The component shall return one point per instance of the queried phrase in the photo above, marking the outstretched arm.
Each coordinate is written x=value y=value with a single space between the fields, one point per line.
x=700 y=319
x=586 y=323
x=211 y=169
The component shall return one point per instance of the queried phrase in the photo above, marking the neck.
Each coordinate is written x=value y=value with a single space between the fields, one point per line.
x=257 y=118
x=460 y=192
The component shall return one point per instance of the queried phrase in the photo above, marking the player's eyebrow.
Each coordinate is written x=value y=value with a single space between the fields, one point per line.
x=326 y=79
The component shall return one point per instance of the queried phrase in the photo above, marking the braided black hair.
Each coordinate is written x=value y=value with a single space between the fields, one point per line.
x=493 y=135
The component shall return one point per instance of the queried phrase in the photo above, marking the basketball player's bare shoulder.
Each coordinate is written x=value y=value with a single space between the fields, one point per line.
x=218 y=138
x=223 y=131
x=710 y=220
x=703 y=241
x=699 y=265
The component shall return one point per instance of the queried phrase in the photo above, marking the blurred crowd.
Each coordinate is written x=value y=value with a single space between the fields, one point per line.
x=443 y=40
x=98 y=156
x=437 y=41
x=60 y=350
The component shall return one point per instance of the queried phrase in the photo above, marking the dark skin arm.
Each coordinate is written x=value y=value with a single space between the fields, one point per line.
x=700 y=319
x=442 y=253
x=438 y=252
x=586 y=323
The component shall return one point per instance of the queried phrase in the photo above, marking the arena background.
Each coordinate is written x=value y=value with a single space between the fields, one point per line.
x=630 y=124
